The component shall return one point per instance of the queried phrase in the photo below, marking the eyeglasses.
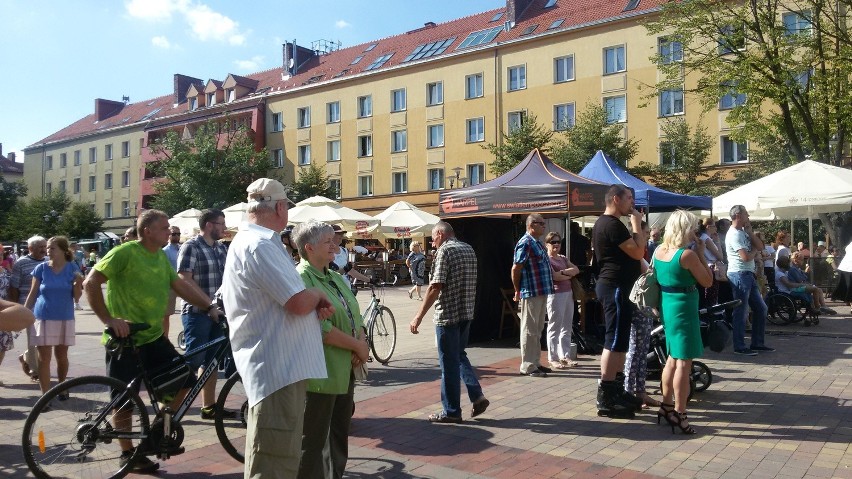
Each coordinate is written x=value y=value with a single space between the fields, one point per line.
x=175 y=234
x=541 y=223
x=555 y=242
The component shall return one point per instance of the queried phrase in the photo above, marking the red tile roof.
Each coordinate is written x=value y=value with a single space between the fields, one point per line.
x=338 y=64
x=11 y=167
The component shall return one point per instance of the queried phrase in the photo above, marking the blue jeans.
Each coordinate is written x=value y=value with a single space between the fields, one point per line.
x=744 y=287
x=452 y=339
x=198 y=330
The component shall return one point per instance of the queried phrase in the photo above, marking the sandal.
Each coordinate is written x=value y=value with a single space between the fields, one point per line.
x=664 y=411
x=558 y=365
x=63 y=396
x=24 y=365
x=679 y=420
x=443 y=418
x=568 y=363
x=479 y=406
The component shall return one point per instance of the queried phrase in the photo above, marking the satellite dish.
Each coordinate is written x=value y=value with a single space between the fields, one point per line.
x=290 y=63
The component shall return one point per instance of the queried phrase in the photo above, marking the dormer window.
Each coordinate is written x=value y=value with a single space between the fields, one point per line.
x=193 y=103
x=231 y=94
x=211 y=99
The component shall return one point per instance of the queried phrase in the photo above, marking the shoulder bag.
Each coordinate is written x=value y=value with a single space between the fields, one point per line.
x=646 y=290
x=360 y=372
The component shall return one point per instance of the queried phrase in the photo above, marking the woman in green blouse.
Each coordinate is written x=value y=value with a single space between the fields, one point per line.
x=328 y=408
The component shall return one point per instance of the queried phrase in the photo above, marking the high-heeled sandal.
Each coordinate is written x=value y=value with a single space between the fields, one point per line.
x=679 y=419
x=664 y=411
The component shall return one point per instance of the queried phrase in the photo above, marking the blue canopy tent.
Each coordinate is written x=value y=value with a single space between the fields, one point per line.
x=651 y=198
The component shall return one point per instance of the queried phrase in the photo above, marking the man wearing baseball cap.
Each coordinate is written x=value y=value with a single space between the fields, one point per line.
x=275 y=333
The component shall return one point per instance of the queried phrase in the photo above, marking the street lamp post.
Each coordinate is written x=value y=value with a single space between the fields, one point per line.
x=51 y=219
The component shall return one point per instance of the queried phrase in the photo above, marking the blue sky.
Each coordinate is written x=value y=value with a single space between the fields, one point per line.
x=57 y=57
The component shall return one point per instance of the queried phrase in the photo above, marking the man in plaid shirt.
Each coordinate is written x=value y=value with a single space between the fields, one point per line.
x=202 y=261
x=453 y=286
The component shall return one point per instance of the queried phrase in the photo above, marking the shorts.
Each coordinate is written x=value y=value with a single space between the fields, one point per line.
x=155 y=356
x=49 y=332
x=798 y=289
x=618 y=313
x=198 y=330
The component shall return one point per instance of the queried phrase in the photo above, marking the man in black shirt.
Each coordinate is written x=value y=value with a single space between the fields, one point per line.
x=618 y=255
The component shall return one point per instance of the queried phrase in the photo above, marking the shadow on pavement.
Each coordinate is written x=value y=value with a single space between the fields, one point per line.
x=406 y=436
x=377 y=468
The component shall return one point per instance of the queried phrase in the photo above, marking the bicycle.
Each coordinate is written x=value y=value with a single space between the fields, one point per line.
x=381 y=327
x=70 y=433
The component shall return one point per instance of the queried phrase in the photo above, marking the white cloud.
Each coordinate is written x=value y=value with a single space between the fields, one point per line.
x=205 y=23
x=342 y=24
x=161 y=42
x=250 y=66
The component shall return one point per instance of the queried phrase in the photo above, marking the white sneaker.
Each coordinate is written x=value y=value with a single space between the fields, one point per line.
x=77 y=307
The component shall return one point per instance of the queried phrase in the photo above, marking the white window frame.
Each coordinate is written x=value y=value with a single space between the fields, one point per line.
x=231 y=94
x=107 y=181
x=93 y=155
x=63 y=160
x=365 y=185
x=399 y=141
x=303 y=117
x=732 y=99
x=77 y=185
x=93 y=183
x=434 y=93
x=614 y=59
x=365 y=106
x=563 y=69
x=336 y=186
x=665 y=147
x=277 y=122
x=193 y=103
x=515 y=120
x=475 y=130
x=108 y=152
x=801 y=23
x=735 y=150
x=668 y=103
x=476 y=172
x=62 y=186
x=399 y=101
x=304 y=154
x=434 y=183
x=77 y=157
x=107 y=210
x=567 y=111
x=125 y=149
x=399 y=182
x=365 y=146
x=278 y=158
x=48 y=188
x=516 y=78
x=48 y=162
x=332 y=150
x=474 y=86
x=670 y=51
x=211 y=98
x=608 y=104
x=724 y=47
x=125 y=179
x=435 y=136
x=332 y=112
x=125 y=208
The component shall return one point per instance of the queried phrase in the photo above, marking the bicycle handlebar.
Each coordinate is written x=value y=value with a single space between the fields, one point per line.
x=718 y=308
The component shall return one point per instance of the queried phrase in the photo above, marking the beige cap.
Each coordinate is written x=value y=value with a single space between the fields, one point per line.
x=266 y=189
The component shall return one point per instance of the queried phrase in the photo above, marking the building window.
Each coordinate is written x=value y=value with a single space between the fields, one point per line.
x=436 y=178
x=365 y=106
x=76 y=186
x=435 y=136
x=614 y=60
x=563 y=69
x=334 y=184
x=231 y=94
x=670 y=50
x=516 y=120
x=48 y=162
x=211 y=99
x=667 y=153
x=796 y=23
x=616 y=109
x=365 y=185
x=731 y=39
x=108 y=152
x=304 y=155
x=473 y=86
x=399 y=141
x=63 y=160
x=193 y=103
x=734 y=152
x=671 y=102
x=400 y=182
x=475 y=174
x=93 y=155
x=125 y=179
x=365 y=145
x=434 y=93
x=475 y=130
x=125 y=149
x=77 y=158
x=333 y=150
x=108 y=181
x=62 y=186
x=125 y=208
x=277 y=122
x=333 y=111
x=48 y=188
x=107 y=210
x=732 y=98
x=92 y=182
x=398 y=100
x=563 y=116
x=303 y=116
x=278 y=158
x=517 y=78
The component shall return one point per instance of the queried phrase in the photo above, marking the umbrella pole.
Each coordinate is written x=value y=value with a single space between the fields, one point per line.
x=568 y=235
x=810 y=242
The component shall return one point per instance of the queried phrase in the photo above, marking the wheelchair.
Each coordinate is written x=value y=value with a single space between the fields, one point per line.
x=785 y=308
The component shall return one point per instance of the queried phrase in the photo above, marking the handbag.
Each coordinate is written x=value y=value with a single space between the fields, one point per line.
x=646 y=290
x=720 y=271
x=719 y=335
x=360 y=372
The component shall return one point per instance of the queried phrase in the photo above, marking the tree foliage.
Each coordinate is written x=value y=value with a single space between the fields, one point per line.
x=11 y=193
x=210 y=170
x=518 y=143
x=683 y=155
x=591 y=132
x=312 y=181
x=796 y=81
x=51 y=215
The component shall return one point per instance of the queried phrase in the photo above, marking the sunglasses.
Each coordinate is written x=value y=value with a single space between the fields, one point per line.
x=555 y=242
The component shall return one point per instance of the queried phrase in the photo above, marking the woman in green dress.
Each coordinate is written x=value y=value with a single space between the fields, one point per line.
x=678 y=269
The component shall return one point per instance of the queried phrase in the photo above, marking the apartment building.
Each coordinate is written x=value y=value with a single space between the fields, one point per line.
x=402 y=117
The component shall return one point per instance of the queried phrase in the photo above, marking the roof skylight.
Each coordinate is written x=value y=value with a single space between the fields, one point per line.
x=550 y=3
x=427 y=50
x=480 y=38
x=556 y=24
x=378 y=62
x=151 y=115
x=370 y=47
x=357 y=59
x=496 y=17
x=529 y=29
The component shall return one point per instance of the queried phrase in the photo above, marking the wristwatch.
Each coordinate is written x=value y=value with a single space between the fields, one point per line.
x=210 y=308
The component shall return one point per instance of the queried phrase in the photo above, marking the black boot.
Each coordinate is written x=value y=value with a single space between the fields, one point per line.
x=627 y=397
x=610 y=403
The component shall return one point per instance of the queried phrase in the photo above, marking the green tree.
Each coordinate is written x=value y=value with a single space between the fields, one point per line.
x=209 y=170
x=51 y=215
x=518 y=144
x=683 y=155
x=312 y=181
x=591 y=132
x=80 y=221
x=11 y=193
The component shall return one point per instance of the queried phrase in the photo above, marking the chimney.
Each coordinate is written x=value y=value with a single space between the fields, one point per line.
x=182 y=84
x=515 y=9
x=106 y=108
x=294 y=56
x=1 y=149
x=11 y=156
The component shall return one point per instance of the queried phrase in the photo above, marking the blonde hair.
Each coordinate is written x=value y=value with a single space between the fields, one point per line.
x=415 y=243
x=680 y=225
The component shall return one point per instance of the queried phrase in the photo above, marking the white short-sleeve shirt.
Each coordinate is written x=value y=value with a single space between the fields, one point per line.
x=272 y=348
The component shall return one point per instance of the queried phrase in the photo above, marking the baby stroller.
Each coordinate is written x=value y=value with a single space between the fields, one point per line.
x=700 y=377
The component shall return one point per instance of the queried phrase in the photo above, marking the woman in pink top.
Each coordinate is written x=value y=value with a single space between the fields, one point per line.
x=560 y=305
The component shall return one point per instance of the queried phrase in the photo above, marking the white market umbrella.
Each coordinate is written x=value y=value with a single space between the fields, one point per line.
x=187 y=221
x=320 y=208
x=799 y=191
x=404 y=220
x=235 y=214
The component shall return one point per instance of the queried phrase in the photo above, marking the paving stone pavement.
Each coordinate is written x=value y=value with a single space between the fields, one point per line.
x=786 y=414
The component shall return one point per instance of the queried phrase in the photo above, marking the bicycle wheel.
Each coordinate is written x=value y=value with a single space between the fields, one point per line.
x=701 y=375
x=69 y=438
x=383 y=335
x=232 y=430
x=181 y=341
x=781 y=310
